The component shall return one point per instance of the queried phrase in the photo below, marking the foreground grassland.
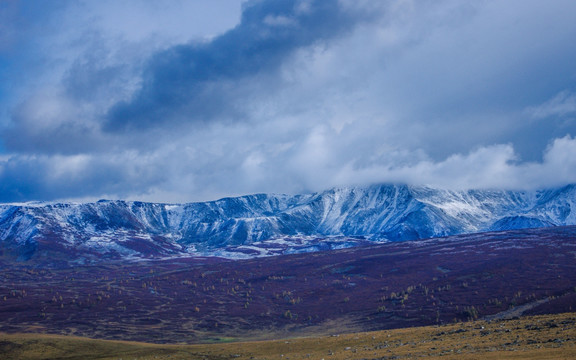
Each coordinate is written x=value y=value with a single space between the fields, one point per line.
x=538 y=337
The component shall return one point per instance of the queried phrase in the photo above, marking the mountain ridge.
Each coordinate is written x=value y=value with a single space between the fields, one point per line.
x=383 y=212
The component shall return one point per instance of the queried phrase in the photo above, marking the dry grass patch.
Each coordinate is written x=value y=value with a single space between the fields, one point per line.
x=538 y=337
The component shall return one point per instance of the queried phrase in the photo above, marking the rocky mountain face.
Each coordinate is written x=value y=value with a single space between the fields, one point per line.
x=122 y=229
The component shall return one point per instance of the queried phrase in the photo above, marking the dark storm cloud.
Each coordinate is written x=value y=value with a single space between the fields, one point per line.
x=198 y=81
x=111 y=98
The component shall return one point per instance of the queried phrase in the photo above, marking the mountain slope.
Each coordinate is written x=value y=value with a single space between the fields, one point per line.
x=492 y=275
x=381 y=212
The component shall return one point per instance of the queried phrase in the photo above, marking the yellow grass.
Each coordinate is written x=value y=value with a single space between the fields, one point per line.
x=540 y=337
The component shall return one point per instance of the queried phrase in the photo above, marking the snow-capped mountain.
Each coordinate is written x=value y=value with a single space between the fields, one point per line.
x=379 y=212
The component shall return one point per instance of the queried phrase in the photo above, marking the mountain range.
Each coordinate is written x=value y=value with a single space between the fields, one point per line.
x=263 y=224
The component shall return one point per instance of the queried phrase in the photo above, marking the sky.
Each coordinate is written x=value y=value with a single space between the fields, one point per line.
x=194 y=100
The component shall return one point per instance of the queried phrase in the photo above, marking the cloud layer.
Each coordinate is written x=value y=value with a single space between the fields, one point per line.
x=206 y=81
x=283 y=96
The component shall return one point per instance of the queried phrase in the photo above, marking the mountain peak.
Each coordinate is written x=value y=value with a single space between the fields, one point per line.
x=390 y=212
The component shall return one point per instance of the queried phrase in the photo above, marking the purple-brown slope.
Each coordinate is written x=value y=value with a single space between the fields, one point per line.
x=366 y=288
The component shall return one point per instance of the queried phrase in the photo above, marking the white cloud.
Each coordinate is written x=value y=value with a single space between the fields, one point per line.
x=563 y=104
x=495 y=167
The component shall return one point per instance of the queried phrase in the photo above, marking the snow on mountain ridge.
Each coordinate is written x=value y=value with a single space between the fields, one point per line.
x=378 y=212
